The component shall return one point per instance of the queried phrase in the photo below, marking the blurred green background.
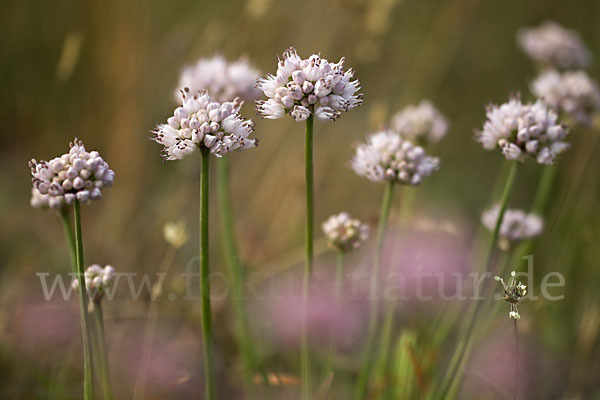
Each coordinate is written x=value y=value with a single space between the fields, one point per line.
x=105 y=71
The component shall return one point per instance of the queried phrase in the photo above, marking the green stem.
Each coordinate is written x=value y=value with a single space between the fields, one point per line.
x=458 y=360
x=88 y=382
x=68 y=229
x=516 y=360
x=544 y=189
x=235 y=270
x=363 y=377
x=102 y=356
x=207 y=340
x=339 y=276
x=305 y=372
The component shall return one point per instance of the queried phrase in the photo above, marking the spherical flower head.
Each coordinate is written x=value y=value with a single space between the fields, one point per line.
x=386 y=156
x=422 y=123
x=224 y=80
x=45 y=201
x=521 y=129
x=97 y=281
x=175 y=233
x=554 y=46
x=517 y=225
x=200 y=123
x=514 y=291
x=77 y=175
x=345 y=233
x=302 y=87
x=573 y=93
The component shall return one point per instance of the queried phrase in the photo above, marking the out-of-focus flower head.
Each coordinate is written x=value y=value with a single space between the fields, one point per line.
x=552 y=45
x=386 y=156
x=175 y=233
x=223 y=80
x=422 y=123
x=573 y=93
x=516 y=224
x=302 y=87
x=514 y=291
x=77 y=175
x=97 y=280
x=200 y=123
x=45 y=201
x=345 y=233
x=523 y=129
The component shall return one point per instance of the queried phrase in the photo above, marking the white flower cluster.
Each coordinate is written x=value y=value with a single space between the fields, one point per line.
x=520 y=129
x=573 y=93
x=553 y=45
x=224 y=80
x=386 y=156
x=513 y=293
x=77 y=175
x=202 y=123
x=45 y=201
x=97 y=280
x=422 y=123
x=345 y=233
x=311 y=86
x=516 y=224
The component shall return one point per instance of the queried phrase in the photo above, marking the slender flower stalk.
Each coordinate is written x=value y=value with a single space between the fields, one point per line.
x=235 y=270
x=305 y=369
x=517 y=375
x=207 y=342
x=101 y=347
x=88 y=383
x=68 y=230
x=363 y=378
x=339 y=276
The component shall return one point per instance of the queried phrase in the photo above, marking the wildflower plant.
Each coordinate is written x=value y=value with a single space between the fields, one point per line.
x=305 y=89
x=552 y=45
x=71 y=179
x=517 y=225
x=524 y=130
x=205 y=125
x=514 y=291
x=422 y=123
x=345 y=233
x=572 y=93
x=227 y=81
x=387 y=157
x=210 y=127
x=224 y=80
x=97 y=282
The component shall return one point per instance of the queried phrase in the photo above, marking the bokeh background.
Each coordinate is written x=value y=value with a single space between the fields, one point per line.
x=105 y=71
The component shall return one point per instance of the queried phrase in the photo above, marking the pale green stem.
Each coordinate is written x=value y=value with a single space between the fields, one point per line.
x=88 y=378
x=457 y=362
x=363 y=378
x=207 y=339
x=516 y=360
x=68 y=229
x=102 y=355
x=235 y=270
x=305 y=373
x=339 y=276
